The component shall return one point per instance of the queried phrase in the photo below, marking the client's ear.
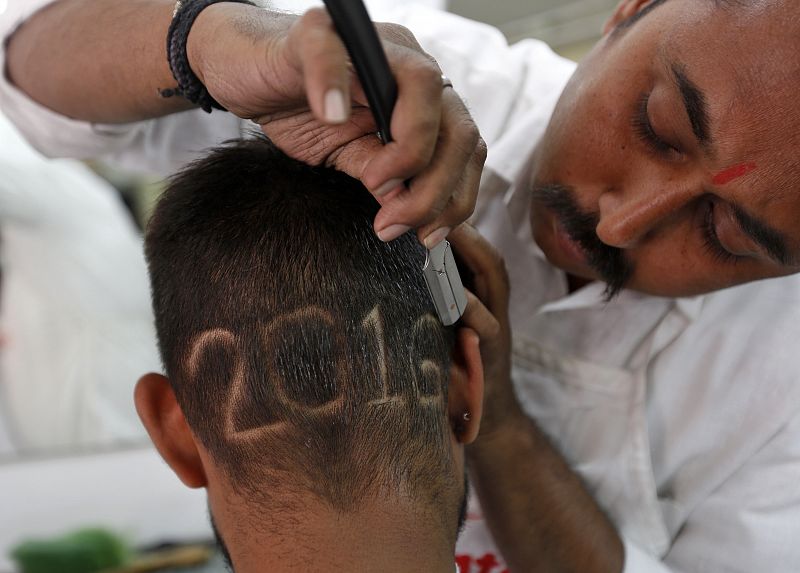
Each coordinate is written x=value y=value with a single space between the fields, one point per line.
x=465 y=394
x=164 y=421
x=625 y=9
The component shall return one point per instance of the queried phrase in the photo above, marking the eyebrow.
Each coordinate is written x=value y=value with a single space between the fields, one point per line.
x=772 y=241
x=694 y=100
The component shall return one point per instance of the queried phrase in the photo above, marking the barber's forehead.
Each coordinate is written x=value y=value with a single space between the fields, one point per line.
x=745 y=62
x=751 y=37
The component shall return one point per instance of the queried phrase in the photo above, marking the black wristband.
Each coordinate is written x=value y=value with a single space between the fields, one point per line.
x=189 y=85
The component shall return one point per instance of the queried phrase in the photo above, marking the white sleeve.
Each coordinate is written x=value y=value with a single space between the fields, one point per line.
x=494 y=79
x=500 y=84
x=159 y=146
x=510 y=90
x=749 y=523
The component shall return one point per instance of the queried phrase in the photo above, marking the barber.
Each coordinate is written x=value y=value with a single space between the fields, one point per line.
x=656 y=431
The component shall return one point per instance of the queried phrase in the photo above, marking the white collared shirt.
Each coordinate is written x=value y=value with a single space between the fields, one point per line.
x=680 y=415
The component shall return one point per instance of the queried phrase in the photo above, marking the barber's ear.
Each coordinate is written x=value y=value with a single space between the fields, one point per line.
x=625 y=9
x=164 y=421
x=465 y=393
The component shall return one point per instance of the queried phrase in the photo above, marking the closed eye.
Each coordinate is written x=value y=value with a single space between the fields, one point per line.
x=711 y=243
x=643 y=128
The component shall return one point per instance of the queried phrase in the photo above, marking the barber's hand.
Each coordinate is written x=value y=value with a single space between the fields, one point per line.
x=291 y=75
x=487 y=314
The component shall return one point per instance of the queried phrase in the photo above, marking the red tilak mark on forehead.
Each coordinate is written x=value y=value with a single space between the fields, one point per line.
x=731 y=173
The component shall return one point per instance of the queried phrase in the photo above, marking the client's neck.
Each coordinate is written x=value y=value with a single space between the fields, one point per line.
x=384 y=536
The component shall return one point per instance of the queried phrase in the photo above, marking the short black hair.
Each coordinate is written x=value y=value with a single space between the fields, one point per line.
x=303 y=351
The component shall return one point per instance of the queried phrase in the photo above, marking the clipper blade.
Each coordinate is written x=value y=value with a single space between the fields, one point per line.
x=444 y=283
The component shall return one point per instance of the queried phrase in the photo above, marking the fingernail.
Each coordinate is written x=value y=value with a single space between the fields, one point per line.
x=335 y=111
x=391 y=232
x=436 y=237
x=387 y=187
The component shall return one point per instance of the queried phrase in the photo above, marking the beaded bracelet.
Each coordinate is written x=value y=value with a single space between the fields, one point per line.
x=189 y=85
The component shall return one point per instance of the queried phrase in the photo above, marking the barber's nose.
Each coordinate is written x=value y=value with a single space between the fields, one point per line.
x=628 y=216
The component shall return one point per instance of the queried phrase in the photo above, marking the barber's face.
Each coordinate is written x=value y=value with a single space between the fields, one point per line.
x=672 y=162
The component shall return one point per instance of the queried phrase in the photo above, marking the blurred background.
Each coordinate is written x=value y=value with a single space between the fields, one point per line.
x=76 y=328
x=570 y=27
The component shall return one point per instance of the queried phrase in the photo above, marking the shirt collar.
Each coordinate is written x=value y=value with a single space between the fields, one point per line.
x=690 y=307
x=593 y=296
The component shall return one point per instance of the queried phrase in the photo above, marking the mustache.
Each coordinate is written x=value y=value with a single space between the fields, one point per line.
x=610 y=263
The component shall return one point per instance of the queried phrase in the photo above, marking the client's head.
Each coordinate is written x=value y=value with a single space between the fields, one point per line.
x=309 y=386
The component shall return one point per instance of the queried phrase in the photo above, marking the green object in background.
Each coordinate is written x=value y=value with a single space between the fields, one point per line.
x=84 y=551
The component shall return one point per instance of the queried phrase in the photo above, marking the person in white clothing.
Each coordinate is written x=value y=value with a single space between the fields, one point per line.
x=75 y=318
x=654 y=306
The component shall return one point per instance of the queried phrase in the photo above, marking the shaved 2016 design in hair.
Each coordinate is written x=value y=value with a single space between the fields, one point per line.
x=281 y=339
x=303 y=351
